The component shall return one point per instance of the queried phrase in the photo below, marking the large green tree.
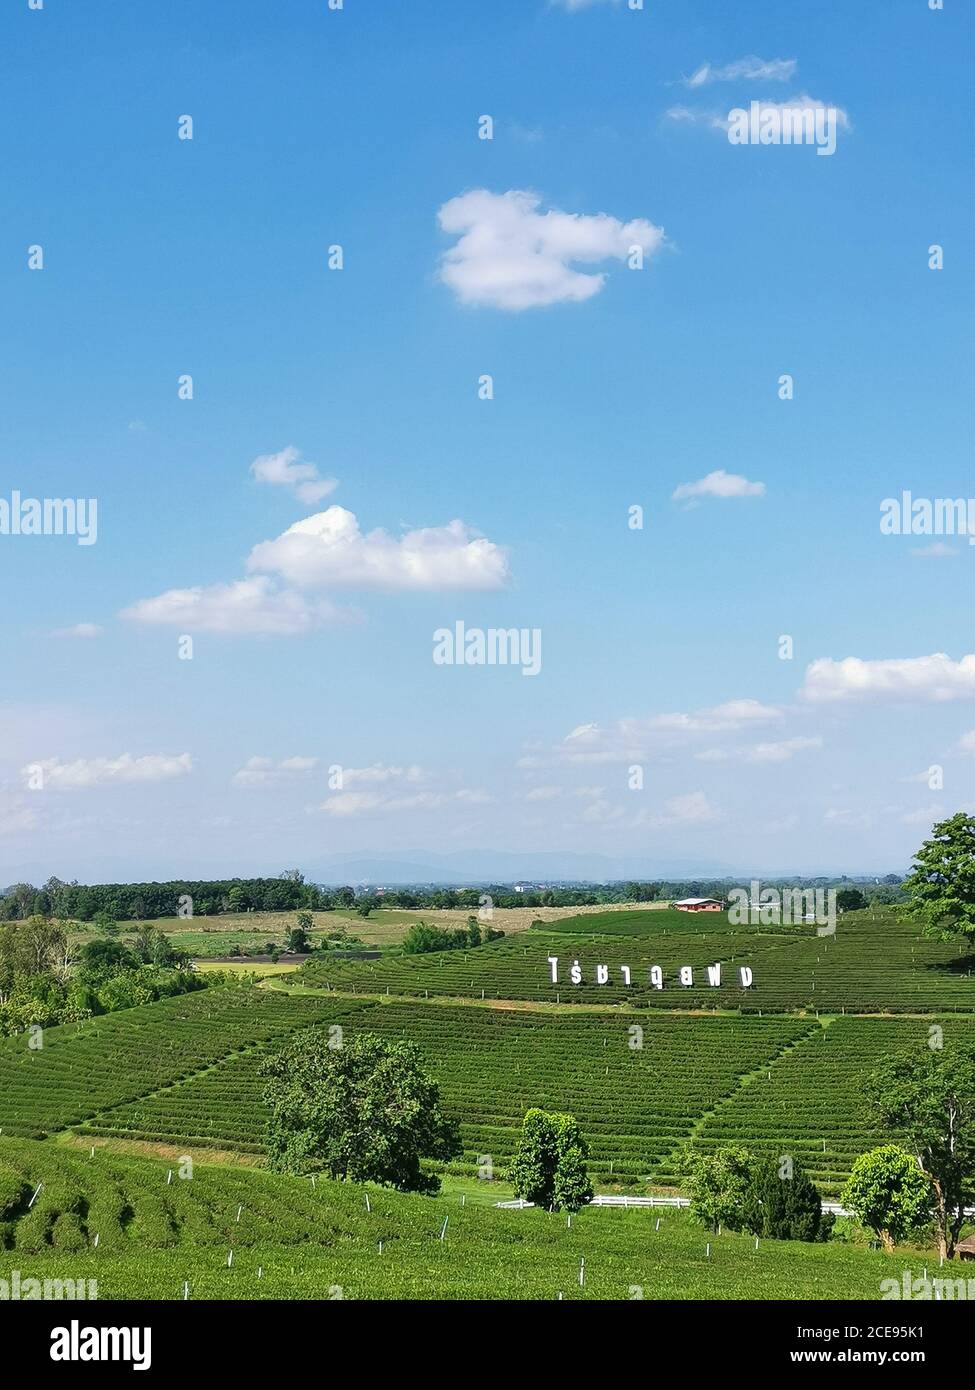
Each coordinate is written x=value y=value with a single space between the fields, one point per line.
x=941 y=884
x=549 y=1167
x=782 y=1203
x=888 y=1193
x=365 y=1110
x=928 y=1097
x=718 y=1185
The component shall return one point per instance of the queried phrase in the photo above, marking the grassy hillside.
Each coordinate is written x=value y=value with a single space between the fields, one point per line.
x=155 y=1237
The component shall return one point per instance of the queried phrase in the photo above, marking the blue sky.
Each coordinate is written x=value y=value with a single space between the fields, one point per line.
x=209 y=257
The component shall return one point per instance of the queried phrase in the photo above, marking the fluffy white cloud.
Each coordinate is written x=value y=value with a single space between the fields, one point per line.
x=933 y=678
x=93 y=772
x=744 y=69
x=719 y=484
x=265 y=772
x=245 y=606
x=79 y=630
x=511 y=256
x=773 y=752
x=966 y=744
x=285 y=470
x=543 y=793
x=328 y=549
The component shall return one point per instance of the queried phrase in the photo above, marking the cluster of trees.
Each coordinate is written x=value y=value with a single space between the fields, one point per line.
x=42 y=984
x=422 y=938
x=919 y=1187
x=367 y=1111
x=147 y=901
x=733 y=1190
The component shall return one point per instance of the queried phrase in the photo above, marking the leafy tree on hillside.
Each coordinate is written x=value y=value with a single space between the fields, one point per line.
x=298 y=941
x=366 y=1110
x=101 y=958
x=850 y=899
x=889 y=1193
x=941 y=884
x=782 y=1203
x=549 y=1167
x=718 y=1185
x=929 y=1098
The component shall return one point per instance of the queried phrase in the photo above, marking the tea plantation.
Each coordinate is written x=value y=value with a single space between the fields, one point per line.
x=874 y=964
x=229 y=1233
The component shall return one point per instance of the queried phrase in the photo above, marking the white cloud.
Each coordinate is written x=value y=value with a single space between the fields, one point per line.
x=843 y=817
x=733 y=714
x=693 y=808
x=749 y=69
x=347 y=805
x=265 y=772
x=807 y=107
x=382 y=772
x=933 y=678
x=511 y=256
x=16 y=818
x=601 y=812
x=284 y=470
x=937 y=550
x=719 y=484
x=801 y=110
x=631 y=738
x=328 y=548
x=543 y=793
x=774 y=752
x=924 y=815
x=92 y=772
x=244 y=606
x=79 y=630
x=966 y=744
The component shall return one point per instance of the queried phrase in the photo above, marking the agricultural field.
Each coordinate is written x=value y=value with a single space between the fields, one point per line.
x=810 y=1104
x=83 y=1068
x=384 y=928
x=636 y=1103
x=231 y=1233
x=874 y=964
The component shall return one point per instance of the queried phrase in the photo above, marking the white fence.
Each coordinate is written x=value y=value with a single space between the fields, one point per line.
x=610 y=1200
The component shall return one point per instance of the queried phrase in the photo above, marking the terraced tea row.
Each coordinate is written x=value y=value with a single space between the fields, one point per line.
x=235 y=1234
x=811 y=1103
x=83 y=1068
x=636 y=1093
x=871 y=965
